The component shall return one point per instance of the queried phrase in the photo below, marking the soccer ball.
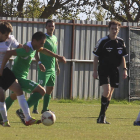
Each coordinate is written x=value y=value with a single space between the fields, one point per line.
x=48 y=118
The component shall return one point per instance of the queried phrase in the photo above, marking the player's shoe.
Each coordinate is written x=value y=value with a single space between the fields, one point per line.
x=136 y=123
x=102 y=119
x=35 y=112
x=21 y=116
x=32 y=121
x=6 y=124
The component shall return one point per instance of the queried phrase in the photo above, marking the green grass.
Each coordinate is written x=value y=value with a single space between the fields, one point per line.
x=76 y=120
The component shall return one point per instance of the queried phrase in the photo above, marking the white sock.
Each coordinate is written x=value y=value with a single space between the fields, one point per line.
x=24 y=106
x=3 y=111
x=138 y=117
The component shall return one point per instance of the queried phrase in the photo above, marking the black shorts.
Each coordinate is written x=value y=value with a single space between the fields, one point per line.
x=108 y=75
x=7 y=78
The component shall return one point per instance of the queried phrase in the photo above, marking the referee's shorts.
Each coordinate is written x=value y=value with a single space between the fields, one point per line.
x=7 y=78
x=108 y=75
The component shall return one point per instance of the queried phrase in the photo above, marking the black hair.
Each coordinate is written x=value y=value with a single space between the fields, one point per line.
x=38 y=36
x=5 y=27
x=48 y=21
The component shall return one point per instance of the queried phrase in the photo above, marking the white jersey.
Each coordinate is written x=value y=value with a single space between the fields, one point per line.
x=4 y=46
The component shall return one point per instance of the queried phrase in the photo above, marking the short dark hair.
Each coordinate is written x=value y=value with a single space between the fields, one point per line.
x=5 y=27
x=38 y=36
x=48 y=21
x=114 y=22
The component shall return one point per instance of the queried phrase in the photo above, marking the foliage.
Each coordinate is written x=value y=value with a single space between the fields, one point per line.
x=99 y=14
x=45 y=9
x=33 y=9
x=67 y=16
x=122 y=10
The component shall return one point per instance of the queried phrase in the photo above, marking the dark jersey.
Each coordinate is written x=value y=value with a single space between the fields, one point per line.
x=110 y=52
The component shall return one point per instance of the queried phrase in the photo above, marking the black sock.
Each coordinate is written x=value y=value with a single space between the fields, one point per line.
x=103 y=105
x=107 y=105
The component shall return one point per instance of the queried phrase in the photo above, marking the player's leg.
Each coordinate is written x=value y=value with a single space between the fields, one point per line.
x=114 y=82
x=43 y=78
x=49 y=90
x=4 y=121
x=104 y=82
x=28 y=86
x=15 y=87
x=104 y=101
x=9 y=101
x=38 y=93
x=109 y=97
x=47 y=98
x=10 y=81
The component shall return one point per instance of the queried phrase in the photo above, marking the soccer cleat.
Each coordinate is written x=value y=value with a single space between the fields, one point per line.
x=21 y=116
x=6 y=124
x=136 y=123
x=35 y=112
x=102 y=119
x=32 y=121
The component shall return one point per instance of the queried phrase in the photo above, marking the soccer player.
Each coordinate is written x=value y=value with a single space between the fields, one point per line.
x=21 y=67
x=8 y=79
x=46 y=69
x=110 y=52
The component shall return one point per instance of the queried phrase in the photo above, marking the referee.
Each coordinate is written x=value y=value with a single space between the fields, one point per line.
x=110 y=52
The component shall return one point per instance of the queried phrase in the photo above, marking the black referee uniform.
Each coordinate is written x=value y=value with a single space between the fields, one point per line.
x=110 y=53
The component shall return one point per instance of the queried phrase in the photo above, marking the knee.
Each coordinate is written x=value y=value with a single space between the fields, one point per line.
x=42 y=91
x=13 y=96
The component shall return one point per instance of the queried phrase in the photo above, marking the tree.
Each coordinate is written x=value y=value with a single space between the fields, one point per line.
x=67 y=16
x=26 y=8
x=99 y=14
x=122 y=10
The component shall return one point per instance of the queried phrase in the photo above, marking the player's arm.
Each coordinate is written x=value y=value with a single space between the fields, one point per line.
x=41 y=66
x=95 y=65
x=50 y=53
x=57 y=66
x=97 y=53
x=124 y=68
x=27 y=48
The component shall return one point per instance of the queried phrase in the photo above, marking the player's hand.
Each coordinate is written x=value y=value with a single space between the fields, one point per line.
x=61 y=59
x=95 y=74
x=27 y=48
x=125 y=74
x=58 y=71
x=42 y=67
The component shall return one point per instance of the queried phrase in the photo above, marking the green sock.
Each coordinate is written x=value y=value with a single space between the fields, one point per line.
x=46 y=101
x=8 y=102
x=35 y=106
x=34 y=98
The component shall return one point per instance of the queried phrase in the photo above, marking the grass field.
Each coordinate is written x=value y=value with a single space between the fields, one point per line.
x=76 y=120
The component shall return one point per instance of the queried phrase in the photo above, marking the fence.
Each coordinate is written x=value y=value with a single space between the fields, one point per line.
x=76 y=40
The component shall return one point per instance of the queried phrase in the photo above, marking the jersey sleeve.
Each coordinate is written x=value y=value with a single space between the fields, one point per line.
x=98 y=48
x=22 y=52
x=14 y=43
x=124 y=50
